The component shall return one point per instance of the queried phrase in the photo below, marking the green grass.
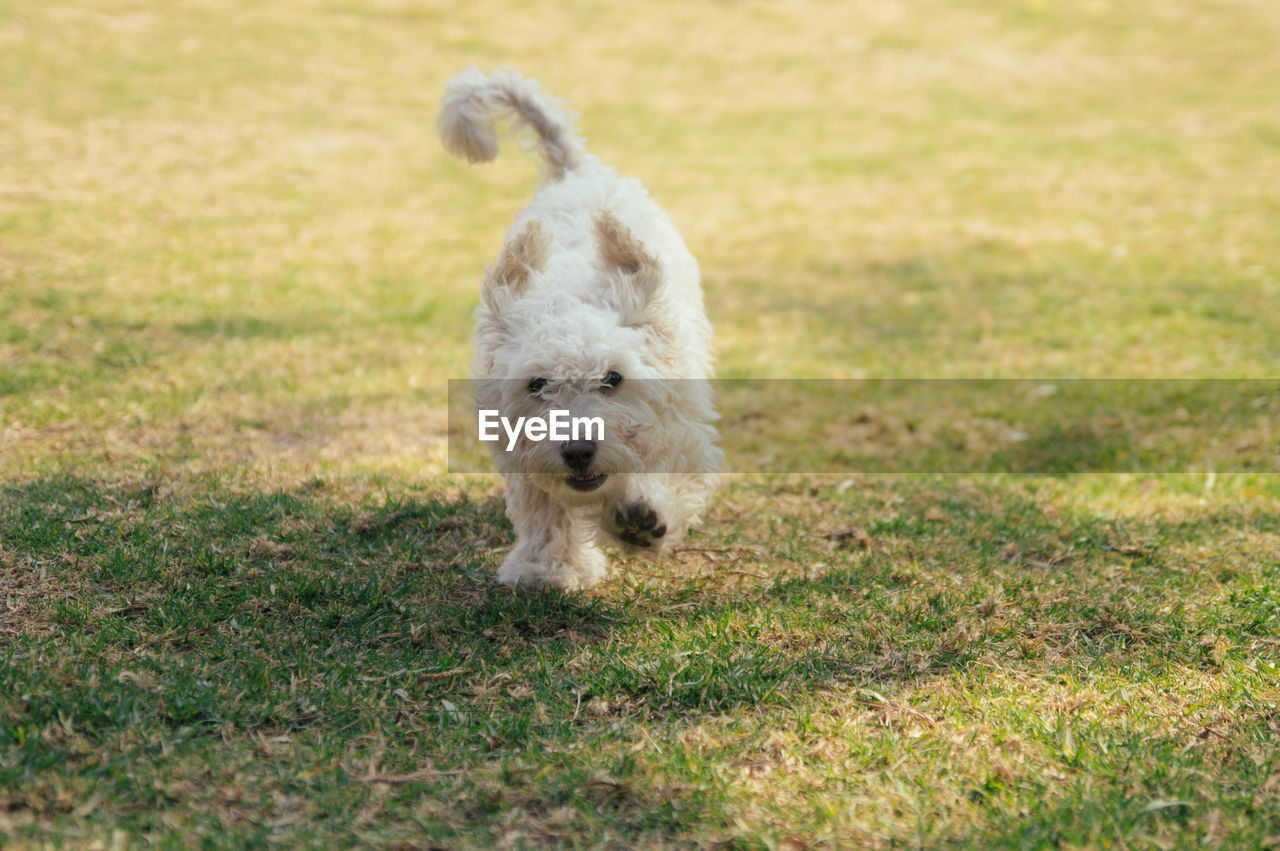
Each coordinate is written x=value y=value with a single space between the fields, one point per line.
x=242 y=603
x=915 y=660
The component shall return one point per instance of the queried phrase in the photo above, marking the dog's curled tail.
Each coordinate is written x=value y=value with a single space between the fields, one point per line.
x=473 y=103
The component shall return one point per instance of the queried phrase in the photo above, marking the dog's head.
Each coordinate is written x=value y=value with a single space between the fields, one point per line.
x=590 y=343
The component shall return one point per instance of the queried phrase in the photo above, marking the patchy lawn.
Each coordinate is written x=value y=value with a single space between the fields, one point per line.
x=242 y=602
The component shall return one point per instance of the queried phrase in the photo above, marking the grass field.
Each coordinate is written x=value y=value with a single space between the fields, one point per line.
x=242 y=603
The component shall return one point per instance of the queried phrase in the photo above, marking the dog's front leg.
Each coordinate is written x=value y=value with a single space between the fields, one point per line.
x=553 y=544
x=646 y=516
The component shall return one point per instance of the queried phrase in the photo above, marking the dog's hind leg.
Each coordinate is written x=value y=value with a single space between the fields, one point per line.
x=554 y=545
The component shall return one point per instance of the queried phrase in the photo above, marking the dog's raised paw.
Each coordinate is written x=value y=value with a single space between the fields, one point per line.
x=638 y=524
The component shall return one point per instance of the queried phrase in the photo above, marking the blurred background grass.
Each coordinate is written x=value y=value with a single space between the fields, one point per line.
x=228 y=234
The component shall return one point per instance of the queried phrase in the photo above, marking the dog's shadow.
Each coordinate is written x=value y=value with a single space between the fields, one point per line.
x=448 y=550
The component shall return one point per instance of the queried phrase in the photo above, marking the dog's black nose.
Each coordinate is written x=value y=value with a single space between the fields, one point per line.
x=578 y=454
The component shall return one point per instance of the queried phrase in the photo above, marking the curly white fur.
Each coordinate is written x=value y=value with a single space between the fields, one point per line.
x=593 y=280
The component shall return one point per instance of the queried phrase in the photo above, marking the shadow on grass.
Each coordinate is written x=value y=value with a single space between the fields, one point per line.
x=160 y=627
x=262 y=589
x=293 y=557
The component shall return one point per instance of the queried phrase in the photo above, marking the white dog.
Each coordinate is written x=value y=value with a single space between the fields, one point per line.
x=594 y=308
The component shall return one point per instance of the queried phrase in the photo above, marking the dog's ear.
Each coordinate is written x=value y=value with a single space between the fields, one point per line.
x=621 y=251
x=507 y=276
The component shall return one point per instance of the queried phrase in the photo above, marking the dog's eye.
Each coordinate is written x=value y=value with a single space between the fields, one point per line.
x=536 y=385
x=613 y=379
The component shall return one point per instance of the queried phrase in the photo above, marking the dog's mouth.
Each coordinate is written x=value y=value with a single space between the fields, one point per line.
x=585 y=482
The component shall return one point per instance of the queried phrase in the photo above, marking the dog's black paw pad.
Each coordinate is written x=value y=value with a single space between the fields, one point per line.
x=638 y=524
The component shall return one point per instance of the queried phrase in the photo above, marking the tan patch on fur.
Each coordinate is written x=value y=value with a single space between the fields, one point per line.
x=525 y=254
x=619 y=247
